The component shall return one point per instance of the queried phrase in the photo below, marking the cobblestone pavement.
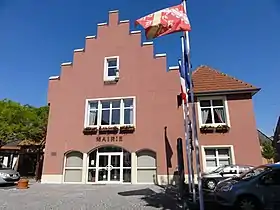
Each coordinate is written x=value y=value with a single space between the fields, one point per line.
x=85 y=197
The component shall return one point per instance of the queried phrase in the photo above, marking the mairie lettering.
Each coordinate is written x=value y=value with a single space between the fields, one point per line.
x=109 y=138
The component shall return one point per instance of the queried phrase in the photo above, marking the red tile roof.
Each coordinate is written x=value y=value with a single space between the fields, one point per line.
x=207 y=79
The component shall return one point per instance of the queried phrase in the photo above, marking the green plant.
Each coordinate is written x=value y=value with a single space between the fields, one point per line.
x=268 y=151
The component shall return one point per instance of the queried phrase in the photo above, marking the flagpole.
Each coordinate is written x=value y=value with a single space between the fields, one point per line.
x=195 y=134
x=186 y=121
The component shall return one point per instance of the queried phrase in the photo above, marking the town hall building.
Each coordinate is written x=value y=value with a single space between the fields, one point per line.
x=114 y=116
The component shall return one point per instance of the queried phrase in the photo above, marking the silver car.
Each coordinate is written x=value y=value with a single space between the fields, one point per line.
x=258 y=189
x=210 y=179
x=8 y=175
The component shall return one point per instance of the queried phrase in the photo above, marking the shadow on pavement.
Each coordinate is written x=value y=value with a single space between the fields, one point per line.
x=161 y=200
x=7 y=186
x=167 y=199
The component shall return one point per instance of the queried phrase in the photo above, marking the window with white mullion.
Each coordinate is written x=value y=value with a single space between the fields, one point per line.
x=223 y=158
x=112 y=67
x=129 y=105
x=212 y=161
x=217 y=157
x=115 y=112
x=224 y=161
x=122 y=112
x=217 y=153
x=212 y=114
x=213 y=111
x=211 y=158
x=99 y=113
x=92 y=114
x=110 y=112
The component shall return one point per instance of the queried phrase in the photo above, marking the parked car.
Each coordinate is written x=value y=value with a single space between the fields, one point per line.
x=210 y=179
x=8 y=175
x=256 y=189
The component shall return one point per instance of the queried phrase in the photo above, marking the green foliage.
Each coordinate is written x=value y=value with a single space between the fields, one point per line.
x=22 y=122
x=268 y=151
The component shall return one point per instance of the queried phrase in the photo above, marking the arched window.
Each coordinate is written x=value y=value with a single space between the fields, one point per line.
x=73 y=167
x=146 y=166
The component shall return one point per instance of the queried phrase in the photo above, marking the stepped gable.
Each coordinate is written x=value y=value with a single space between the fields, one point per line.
x=207 y=79
x=113 y=21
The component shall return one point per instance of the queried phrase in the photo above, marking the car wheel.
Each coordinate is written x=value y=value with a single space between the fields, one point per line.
x=247 y=203
x=211 y=184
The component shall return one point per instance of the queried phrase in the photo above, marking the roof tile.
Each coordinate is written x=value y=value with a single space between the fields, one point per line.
x=207 y=79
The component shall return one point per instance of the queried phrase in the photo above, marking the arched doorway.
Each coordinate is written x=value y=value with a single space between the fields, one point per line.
x=109 y=164
x=73 y=167
x=146 y=167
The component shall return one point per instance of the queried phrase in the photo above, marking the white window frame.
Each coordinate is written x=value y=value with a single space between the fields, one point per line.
x=224 y=99
x=99 y=115
x=79 y=168
x=217 y=147
x=111 y=78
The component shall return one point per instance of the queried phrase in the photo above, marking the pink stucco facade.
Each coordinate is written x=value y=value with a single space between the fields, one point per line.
x=143 y=76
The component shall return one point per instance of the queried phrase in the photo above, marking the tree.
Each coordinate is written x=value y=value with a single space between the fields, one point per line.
x=268 y=151
x=22 y=122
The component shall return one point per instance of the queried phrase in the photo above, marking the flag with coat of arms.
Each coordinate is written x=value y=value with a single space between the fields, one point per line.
x=166 y=21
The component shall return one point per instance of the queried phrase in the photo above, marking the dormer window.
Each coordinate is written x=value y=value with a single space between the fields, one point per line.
x=111 y=68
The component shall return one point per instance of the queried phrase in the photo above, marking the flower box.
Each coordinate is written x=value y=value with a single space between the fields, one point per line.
x=207 y=129
x=127 y=129
x=222 y=129
x=108 y=130
x=90 y=131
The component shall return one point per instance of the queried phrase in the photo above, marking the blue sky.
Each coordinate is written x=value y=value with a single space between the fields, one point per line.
x=240 y=38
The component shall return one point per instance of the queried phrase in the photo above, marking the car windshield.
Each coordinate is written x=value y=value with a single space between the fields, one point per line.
x=254 y=172
x=2 y=166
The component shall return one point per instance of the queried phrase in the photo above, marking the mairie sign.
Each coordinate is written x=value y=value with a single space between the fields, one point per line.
x=109 y=138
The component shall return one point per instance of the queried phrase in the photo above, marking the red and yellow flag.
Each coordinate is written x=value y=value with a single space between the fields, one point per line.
x=166 y=21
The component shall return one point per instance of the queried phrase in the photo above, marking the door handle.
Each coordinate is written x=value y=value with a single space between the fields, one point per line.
x=109 y=167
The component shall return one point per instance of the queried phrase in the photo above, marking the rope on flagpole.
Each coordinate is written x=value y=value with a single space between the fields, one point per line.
x=195 y=134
